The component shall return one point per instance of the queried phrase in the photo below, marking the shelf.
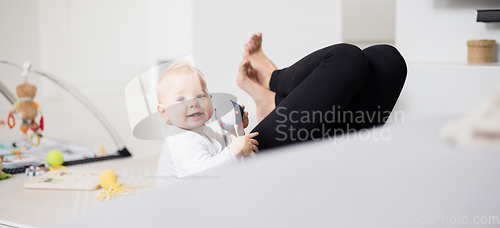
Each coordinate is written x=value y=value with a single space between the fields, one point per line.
x=488 y=16
x=454 y=64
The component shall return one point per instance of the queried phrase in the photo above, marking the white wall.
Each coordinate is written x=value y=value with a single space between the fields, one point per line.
x=99 y=46
x=170 y=31
x=438 y=30
x=291 y=30
x=369 y=21
x=446 y=90
x=19 y=41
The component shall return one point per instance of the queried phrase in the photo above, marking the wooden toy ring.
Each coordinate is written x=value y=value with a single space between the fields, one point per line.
x=13 y=121
x=37 y=140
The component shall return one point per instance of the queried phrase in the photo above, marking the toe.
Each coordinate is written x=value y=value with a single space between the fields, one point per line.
x=259 y=40
x=251 y=38
x=255 y=43
x=242 y=67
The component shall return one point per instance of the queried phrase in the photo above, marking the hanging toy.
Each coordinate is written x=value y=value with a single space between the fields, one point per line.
x=9 y=118
x=27 y=108
x=229 y=116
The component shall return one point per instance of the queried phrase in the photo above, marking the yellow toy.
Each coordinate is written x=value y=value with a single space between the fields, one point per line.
x=108 y=181
x=55 y=158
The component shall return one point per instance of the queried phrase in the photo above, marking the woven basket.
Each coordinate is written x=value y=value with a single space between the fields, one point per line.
x=481 y=51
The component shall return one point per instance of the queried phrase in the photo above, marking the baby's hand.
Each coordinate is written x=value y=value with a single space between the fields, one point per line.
x=245 y=117
x=244 y=145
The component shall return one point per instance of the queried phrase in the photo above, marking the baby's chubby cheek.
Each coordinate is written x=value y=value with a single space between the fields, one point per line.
x=209 y=109
x=176 y=112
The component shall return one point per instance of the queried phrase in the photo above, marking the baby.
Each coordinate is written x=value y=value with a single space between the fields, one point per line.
x=191 y=147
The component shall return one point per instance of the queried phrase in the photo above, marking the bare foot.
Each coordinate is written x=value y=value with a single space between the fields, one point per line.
x=264 y=98
x=262 y=66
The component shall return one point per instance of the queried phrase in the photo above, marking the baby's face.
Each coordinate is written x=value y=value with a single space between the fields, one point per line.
x=186 y=102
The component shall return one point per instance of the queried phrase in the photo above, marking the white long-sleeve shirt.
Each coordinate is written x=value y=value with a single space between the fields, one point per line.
x=186 y=152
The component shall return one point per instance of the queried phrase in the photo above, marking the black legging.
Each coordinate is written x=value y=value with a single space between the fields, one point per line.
x=360 y=85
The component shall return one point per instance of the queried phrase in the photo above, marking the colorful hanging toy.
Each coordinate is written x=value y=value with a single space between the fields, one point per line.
x=28 y=109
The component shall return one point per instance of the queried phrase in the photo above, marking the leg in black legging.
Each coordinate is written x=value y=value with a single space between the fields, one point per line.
x=336 y=78
x=374 y=102
x=325 y=78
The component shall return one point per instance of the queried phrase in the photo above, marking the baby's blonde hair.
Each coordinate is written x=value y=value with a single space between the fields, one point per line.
x=182 y=66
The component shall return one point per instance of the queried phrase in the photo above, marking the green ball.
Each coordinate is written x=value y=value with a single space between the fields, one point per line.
x=55 y=158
